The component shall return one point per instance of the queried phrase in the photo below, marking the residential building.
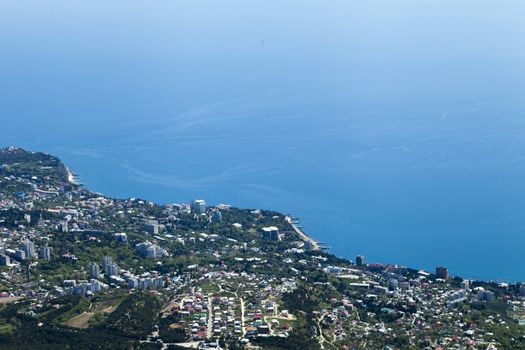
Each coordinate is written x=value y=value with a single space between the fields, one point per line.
x=198 y=206
x=216 y=216
x=133 y=283
x=151 y=283
x=522 y=290
x=29 y=248
x=94 y=270
x=121 y=237
x=152 y=227
x=45 y=252
x=64 y=227
x=271 y=232
x=112 y=270
x=4 y=260
x=20 y=254
x=465 y=284
x=107 y=260
x=442 y=272
x=109 y=268
x=150 y=250
x=84 y=287
x=485 y=295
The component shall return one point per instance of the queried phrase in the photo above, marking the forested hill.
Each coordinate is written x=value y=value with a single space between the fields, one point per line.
x=16 y=161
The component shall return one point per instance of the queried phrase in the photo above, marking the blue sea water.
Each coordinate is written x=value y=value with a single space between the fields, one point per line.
x=393 y=129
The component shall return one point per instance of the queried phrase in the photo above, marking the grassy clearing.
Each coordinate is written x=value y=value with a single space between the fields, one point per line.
x=210 y=288
x=6 y=328
x=83 y=320
x=8 y=300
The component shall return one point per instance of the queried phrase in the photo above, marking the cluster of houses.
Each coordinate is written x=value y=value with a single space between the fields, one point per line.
x=193 y=311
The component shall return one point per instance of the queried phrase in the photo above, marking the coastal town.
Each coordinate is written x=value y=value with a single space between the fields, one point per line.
x=132 y=274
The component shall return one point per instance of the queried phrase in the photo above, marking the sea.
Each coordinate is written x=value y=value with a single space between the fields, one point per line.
x=392 y=129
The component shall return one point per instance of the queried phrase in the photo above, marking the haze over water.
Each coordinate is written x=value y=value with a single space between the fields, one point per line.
x=393 y=129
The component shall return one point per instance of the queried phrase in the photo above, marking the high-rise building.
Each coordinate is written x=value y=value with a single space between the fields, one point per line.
x=29 y=248
x=360 y=260
x=4 y=260
x=271 y=232
x=94 y=270
x=83 y=287
x=485 y=295
x=64 y=227
x=150 y=282
x=465 y=284
x=20 y=254
x=112 y=270
x=94 y=285
x=45 y=252
x=216 y=216
x=152 y=227
x=133 y=283
x=106 y=262
x=522 y=290
x=198 y=206
x=150 y=250
x=442 y=272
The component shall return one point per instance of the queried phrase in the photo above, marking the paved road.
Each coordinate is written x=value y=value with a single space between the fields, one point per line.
x=210 y=319
x=243 y=327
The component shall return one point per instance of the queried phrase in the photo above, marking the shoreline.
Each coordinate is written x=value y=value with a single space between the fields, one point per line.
x=304 y=236
x=316 y=246
x=71 y=178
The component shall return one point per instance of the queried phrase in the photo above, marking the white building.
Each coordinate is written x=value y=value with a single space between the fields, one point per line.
x=151 y=283
x=150 y=250
x=106 y=261
x=121 y=237
x=83 y=287
x=29 y=248
x=485 y=295
x=4 y=260
x=133 y=283
x=45 y=253
x=152 y=227
x=94 y=270
x=110 y=268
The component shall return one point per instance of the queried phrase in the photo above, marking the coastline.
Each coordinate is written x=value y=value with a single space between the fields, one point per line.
x=314 y=244
x=71 y=178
